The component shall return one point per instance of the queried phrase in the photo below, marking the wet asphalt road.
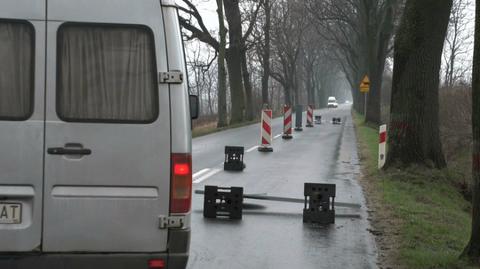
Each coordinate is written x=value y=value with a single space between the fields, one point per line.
x=271 y=234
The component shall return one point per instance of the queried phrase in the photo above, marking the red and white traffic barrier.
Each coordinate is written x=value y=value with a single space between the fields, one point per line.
x=310 y=116
x=287 y=122
x=382 y=145
x=266 y=131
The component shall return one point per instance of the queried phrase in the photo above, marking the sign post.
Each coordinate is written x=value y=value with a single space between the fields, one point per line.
x=365 y=88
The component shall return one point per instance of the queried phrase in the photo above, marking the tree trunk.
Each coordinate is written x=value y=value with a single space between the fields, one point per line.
x=287 y=94
x=310 y=85
x=266 y=53
x=222 y=76
x=377 y=66
x=414 y=132
x=248 y=88
x=234 y=60
x=296 y=91
x=472 y=251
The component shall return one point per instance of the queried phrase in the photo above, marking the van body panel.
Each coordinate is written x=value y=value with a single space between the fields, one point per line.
x=23 y=9
x=21 y=155
x=146 y=12
x=181 y=123
x=91 y=261
x=80 y=214
x=100 y=209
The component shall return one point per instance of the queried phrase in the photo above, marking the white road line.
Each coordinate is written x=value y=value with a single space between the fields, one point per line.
x=201 y=172
x=252 y=149
x=206 y=176
x=277 y=136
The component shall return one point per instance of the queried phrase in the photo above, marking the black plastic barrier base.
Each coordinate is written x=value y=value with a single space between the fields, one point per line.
x=234 y=159
x=318 y=119
x=337 y=121
x=319 y=204
x=223 y=202
x=265 y=149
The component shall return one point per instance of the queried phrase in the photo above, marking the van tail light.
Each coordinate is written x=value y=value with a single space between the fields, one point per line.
x=181 y=183
x=156 y=264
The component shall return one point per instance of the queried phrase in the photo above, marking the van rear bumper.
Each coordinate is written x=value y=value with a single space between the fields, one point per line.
x=176 y=258
x=90 y=261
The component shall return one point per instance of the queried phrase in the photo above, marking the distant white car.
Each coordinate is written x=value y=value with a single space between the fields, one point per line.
x=332 y=102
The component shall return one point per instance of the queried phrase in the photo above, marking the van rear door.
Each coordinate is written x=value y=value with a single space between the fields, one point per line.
x=22 y=87
x=107 y=161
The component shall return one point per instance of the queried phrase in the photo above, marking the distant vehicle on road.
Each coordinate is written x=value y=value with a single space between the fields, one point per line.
x=332 y=102
x=95 y=160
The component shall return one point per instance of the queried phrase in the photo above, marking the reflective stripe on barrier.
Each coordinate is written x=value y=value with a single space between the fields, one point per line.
x=382 y=155
x=310 y=116
x=266 y=131
x=287 y=122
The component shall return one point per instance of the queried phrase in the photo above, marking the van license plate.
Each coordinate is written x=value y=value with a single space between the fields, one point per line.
x=10 y=213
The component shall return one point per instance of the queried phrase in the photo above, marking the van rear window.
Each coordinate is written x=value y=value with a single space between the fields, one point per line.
x=106 y=74
x=16 y=70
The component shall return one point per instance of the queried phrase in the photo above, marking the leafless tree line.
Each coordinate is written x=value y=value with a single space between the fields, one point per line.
x=266 y=52
x=278 y=52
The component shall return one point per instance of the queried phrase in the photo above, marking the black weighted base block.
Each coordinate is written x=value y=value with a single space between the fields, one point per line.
x=319 y=204
x=265 y=149
x=234 y=159
x=287 y=136
x=223 y=202
x=337 y=121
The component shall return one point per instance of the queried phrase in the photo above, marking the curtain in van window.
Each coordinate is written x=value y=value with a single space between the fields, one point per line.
x=16 y=70
x=106 y=73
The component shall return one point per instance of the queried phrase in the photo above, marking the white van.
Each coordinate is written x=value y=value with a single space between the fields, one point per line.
x=95 y=139
x=332 y=102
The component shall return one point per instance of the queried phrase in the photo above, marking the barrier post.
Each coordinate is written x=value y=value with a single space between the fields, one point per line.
x=382 y=146
x=298 y=118
x=287 y=122
x=266 y=131
x=310 y=116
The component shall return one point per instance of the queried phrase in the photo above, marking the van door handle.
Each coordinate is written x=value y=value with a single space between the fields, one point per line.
x=67 y=151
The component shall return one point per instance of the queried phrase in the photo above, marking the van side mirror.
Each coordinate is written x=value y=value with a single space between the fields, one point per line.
x=194 y=107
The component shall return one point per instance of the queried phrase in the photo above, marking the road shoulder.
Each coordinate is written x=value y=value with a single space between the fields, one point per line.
x=384 y=224
x=420 y=218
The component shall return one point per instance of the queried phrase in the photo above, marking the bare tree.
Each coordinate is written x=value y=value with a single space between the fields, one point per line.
x=457 y=43
x=414 y=130
x=192 y=21
x=222 y=76
x=472 y=251
x=199 y=63
x=265 y=50
x=360 y=32
x=288 y=26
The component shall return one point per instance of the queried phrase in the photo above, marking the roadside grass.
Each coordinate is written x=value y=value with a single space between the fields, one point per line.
x=433 y=217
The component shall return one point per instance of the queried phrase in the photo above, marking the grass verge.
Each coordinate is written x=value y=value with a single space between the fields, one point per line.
x=421 y=219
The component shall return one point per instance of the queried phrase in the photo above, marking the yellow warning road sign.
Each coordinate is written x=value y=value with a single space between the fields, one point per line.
x=365 y=85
